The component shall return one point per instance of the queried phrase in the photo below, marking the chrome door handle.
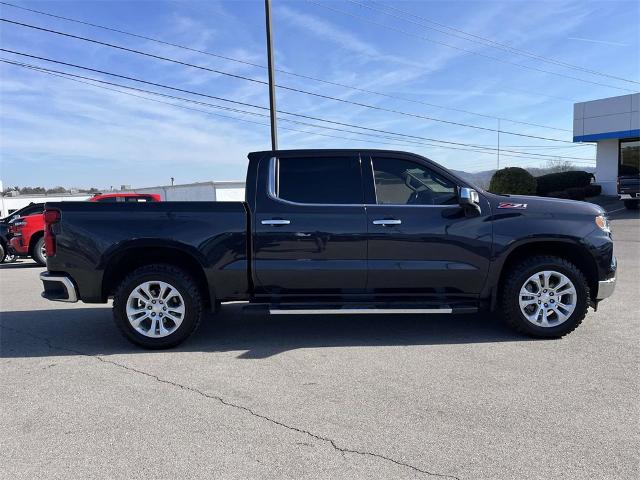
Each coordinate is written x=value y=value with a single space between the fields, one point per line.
x=388 y=221
x=276 y=222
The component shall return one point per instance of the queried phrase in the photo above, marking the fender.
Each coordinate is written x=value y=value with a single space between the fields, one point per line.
x=123 y=247
x=501 y=255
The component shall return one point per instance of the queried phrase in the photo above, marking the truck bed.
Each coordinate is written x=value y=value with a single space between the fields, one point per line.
x=90 y=235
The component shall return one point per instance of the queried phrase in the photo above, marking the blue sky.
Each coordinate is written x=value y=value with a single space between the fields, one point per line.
x=59 y=132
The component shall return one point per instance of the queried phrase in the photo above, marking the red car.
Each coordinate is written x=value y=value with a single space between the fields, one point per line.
x=27 y=233
x=27 y=237
x=126 y=197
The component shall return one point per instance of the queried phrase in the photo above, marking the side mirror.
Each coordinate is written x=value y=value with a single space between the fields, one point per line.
x=468 y=199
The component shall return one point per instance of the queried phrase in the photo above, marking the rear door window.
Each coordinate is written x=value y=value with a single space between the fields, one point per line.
x=318 y=180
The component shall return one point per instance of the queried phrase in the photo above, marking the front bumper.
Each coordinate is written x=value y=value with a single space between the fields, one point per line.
x=629 y=196
x=606 y=288
x=58 y=288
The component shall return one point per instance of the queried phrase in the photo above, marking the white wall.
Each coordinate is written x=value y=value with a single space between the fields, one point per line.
x=8 y=204
x=229 y=193
x=197 y=192
x=618 y=116
x=607 y=166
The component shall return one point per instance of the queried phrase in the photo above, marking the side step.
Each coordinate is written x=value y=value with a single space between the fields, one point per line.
x=363 y=309
x=354 y=311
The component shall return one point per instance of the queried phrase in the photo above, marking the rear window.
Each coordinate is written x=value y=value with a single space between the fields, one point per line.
x=329 y=180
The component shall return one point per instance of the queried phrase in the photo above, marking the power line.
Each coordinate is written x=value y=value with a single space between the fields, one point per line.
x=309 y=117
x=75 y=77
x=410 y=17
x=286 y=72
x=319 y=95
x=464 y=50
x=395 y=142
x=66 y=77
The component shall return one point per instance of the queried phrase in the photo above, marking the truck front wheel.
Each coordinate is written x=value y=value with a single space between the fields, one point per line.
x=545 y=296
x=632 y=204
x=158 y=306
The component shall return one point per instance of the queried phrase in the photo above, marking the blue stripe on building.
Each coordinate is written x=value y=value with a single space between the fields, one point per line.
x=603 y=136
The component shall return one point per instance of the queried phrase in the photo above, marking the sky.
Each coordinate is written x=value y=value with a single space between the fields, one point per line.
x=442 y=71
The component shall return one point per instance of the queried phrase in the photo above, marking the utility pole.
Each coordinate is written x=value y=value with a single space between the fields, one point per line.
x=498 y=167
x=272 y=79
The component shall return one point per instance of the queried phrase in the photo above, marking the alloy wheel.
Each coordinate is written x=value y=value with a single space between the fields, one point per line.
x=155 y=309
x=547 y=298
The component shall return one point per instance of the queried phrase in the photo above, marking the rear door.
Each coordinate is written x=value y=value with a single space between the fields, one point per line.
x=421 y=242
x=310 y=227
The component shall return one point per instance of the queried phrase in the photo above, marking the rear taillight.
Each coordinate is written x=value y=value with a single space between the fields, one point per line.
x=51 y=217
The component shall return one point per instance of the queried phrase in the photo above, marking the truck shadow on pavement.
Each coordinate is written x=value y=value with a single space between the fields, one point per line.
x=18 y=264
x=90 y=331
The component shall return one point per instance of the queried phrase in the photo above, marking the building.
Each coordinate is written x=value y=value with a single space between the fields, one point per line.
x=614 y=124
x=198 y=192
x=11 y=202
x=190 y=192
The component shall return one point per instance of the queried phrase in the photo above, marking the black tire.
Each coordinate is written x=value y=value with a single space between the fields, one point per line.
x=632 y=204
x=182 y=282
x=3 y=253
x=516 y=278
x=37 y=254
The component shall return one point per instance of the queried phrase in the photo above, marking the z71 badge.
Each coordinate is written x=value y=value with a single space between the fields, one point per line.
x=518 y=206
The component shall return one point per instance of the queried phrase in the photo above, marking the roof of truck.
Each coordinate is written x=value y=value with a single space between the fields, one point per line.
x=330 y=151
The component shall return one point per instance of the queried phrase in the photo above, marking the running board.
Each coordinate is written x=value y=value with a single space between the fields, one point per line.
x=356 y=311
x=362 y=308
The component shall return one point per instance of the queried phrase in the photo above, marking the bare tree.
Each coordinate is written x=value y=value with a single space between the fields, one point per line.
x=555 y=166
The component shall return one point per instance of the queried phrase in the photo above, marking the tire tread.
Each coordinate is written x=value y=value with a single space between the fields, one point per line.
x=192 y=290
x=512 y=284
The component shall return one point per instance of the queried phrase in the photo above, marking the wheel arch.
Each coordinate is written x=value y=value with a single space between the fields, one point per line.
x=570 y=250
x=119 y=263
x=34 y=239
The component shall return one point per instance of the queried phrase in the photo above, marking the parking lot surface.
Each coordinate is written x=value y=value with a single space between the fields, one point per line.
x=252 y=396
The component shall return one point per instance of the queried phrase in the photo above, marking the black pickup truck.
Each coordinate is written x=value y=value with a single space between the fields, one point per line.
x=334 y=232
x=629 y=190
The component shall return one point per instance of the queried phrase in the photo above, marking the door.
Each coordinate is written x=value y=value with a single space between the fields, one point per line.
x=310 y=231
x=421 y=242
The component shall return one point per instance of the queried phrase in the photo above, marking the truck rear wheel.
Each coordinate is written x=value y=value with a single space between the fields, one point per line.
x=39 y=254
x=158 y=306
x=545 y=296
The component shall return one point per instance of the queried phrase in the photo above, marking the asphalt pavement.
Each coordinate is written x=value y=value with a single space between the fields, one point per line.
x=364 y=397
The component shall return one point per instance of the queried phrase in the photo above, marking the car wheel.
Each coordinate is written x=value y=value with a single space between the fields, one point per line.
x=632 y=204
x=3 y=253
x=39 y=253
x=545 y=296
x=158 y=306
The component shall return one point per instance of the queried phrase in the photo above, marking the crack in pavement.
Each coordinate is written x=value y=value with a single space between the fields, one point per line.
x=342 y=450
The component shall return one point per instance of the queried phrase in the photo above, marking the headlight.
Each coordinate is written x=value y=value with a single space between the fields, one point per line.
x=603 y=222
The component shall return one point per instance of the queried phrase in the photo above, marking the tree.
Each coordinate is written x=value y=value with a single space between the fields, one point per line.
x=555 y=166
x=57 y=190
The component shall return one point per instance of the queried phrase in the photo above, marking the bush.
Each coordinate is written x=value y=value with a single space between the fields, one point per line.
x=592 y=190
x=562 y=194
x=576 y=193
x=557 y=182
x=513 y=180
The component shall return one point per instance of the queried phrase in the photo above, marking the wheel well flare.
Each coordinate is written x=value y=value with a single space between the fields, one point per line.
x=574 y=253
x=131 y=259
